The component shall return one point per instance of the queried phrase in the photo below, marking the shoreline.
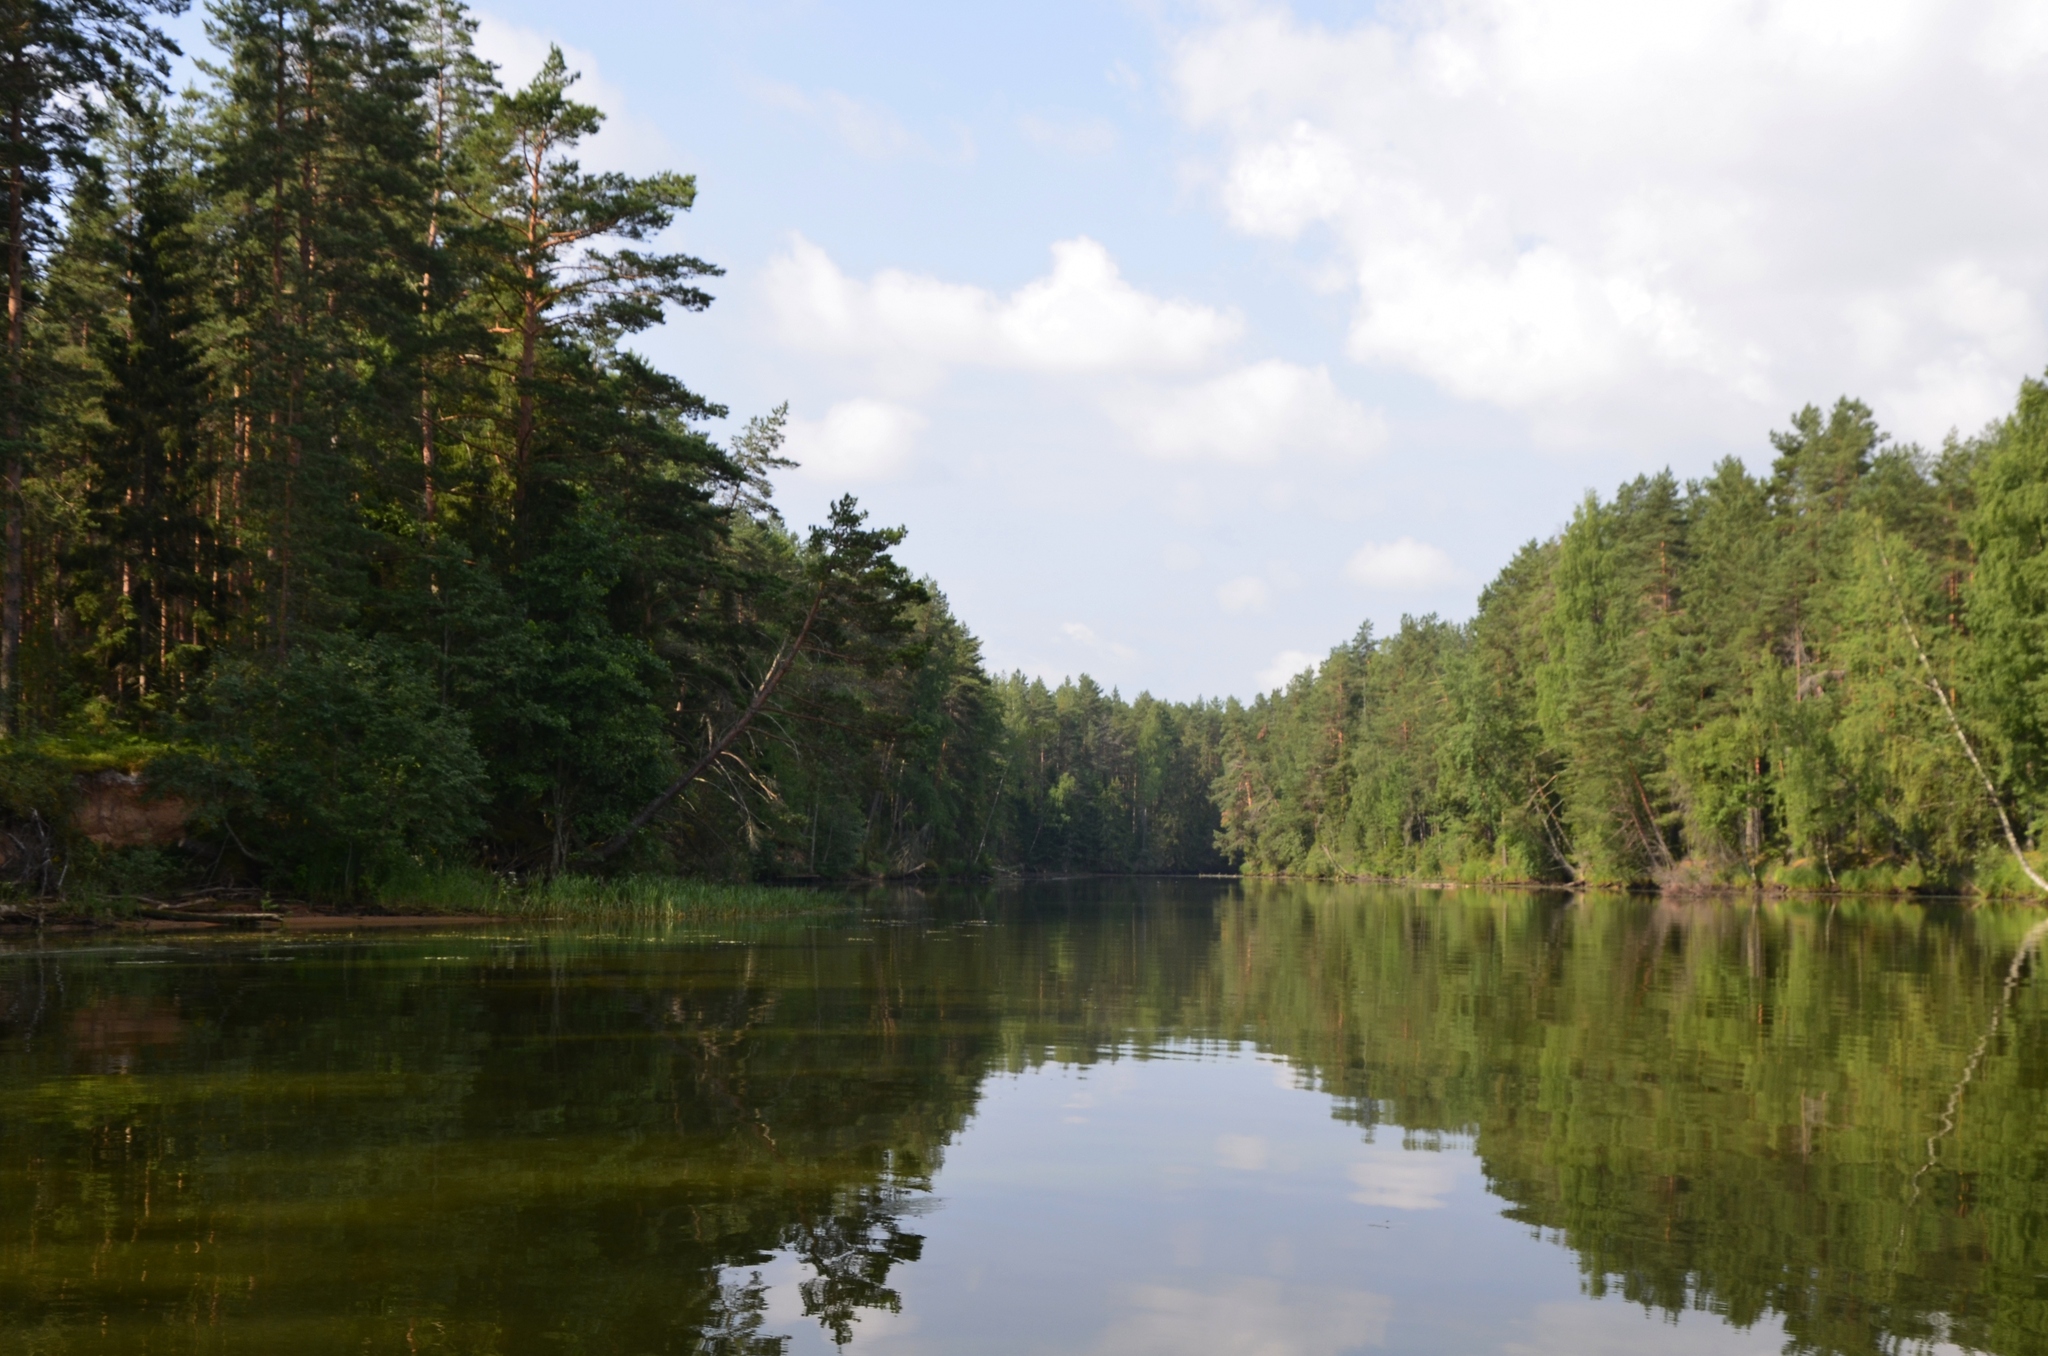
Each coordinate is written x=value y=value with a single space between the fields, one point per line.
x=1674 y=892
x=299 y=917
x=294 y=922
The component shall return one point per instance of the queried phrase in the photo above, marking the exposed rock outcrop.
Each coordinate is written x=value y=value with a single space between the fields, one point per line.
x=116 y=810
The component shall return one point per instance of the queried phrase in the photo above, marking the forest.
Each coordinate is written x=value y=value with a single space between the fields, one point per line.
x=1814 y=679
x=341 y=516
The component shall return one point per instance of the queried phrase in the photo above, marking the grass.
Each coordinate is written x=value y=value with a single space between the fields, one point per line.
x=1998 y=876
x=467 y=892
x=621 y=899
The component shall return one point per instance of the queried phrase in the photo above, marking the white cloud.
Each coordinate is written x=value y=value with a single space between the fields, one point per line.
x=1400 y=566
x=1279 y=187
x=1396 y=1179
x=1246 y=594
x=1084 y=316
x=1181 y=556
x=1614 y=217
x=1285 y=666
x=1255 y=1316
x=856 y=440
x=627 y=143
x=1250 y=416
x=1081 y=318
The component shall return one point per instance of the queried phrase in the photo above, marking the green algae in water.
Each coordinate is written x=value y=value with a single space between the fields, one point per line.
x=1121 y=1117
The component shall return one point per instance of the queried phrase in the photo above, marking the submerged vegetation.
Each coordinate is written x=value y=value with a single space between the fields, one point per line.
x=536 y=1140
x=350 y=550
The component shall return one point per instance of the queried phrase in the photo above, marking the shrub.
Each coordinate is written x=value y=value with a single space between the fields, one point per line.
x=334 y=768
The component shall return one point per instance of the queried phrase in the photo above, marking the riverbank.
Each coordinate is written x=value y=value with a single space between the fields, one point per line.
x=476 y=897
x=450 y=899
x=1994 y=879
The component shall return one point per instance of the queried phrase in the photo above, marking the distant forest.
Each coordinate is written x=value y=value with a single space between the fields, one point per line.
x=339 y=511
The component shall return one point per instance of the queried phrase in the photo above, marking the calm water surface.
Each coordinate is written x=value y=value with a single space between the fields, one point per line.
x=1119 y=1118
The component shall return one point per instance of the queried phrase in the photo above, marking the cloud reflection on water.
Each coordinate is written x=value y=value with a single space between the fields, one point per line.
x=1402 y=1180
x=1247 y=1316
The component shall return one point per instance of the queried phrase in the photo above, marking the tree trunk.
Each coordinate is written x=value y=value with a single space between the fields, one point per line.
x=522 y=432
x=1955 y=725
x=427 y=448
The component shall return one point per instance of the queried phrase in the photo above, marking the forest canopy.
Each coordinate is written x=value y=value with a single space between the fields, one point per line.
x=1723 y=681
x=340 y=512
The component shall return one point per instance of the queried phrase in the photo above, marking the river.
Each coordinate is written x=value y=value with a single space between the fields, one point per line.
x=1248 y=1119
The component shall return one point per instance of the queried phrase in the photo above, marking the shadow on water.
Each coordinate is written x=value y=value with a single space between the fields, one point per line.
x=534 y=1140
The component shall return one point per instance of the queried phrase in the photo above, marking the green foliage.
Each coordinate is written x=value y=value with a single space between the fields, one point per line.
x=1695 y=686
x=338 y=764
x=352 y=499
x=2008 y=598
x=345 y=486
x=580 y=899
x=36 y=779
x=1092 y=782
x=653 y=900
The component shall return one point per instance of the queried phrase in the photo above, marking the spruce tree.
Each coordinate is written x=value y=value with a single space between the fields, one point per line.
x=149 y=563
x=62 y=64
x=319 y=172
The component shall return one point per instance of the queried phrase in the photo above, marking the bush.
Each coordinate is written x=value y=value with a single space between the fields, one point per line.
x=1997 y=875
x=334 y=768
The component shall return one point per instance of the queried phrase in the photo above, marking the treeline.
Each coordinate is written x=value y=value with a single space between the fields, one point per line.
x=339 y=512
x=1731 y=680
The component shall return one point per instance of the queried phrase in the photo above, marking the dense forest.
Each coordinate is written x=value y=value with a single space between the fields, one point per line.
x=341 y=516
x=1789 y=679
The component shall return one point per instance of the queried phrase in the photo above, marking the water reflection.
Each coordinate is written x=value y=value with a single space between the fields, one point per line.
x=1129 y=1118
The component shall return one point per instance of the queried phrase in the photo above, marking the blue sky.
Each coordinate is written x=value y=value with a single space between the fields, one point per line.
x=1184 y=338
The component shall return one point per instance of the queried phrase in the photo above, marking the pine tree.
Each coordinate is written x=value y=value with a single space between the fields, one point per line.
x=149 y=561
x=319 y=173
x=62 y=64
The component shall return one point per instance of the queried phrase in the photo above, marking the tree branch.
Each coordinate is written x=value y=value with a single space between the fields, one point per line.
x=777 y=671
x=1954 y=723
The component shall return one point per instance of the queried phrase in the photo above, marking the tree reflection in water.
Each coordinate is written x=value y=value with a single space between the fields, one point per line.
x=545 y=1142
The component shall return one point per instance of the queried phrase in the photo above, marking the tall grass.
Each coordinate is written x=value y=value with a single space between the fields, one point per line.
x=622 y=899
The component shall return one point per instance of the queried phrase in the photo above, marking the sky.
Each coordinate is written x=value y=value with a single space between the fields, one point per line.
x=1185 y=338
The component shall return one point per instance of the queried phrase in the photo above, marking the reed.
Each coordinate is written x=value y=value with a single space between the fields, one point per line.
x=636 y=899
